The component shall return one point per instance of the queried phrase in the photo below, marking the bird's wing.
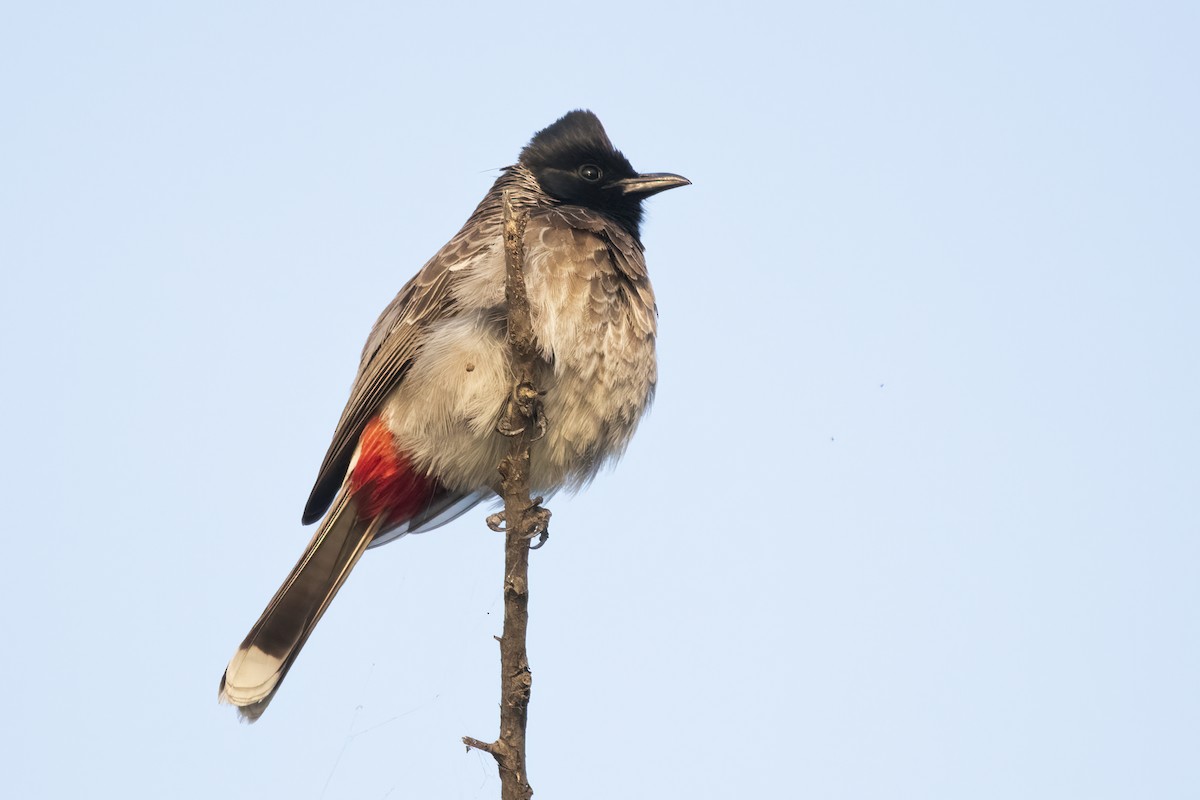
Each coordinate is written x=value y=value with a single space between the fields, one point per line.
x=394 y=342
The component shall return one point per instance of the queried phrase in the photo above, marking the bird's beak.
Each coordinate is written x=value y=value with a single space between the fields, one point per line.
x=650 y=183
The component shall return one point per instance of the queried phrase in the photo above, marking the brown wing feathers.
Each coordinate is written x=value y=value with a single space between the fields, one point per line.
x=394 y=341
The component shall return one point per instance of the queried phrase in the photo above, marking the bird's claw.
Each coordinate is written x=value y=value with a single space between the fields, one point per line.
x=540 y=422
x=539 y=523
x=507 y=430
x=524 y=403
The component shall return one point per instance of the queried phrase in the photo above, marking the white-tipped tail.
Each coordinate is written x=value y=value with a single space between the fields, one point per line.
x=260 y=664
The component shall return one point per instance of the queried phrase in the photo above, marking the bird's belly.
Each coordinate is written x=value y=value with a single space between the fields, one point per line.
x=444 y=414
x=596 y=394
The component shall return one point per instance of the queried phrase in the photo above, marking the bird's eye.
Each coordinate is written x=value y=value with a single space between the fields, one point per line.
x=591 y=173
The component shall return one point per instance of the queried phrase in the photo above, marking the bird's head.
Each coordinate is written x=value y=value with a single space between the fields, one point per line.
x=575 y=163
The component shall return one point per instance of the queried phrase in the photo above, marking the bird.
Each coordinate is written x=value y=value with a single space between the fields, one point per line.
x=417 y=444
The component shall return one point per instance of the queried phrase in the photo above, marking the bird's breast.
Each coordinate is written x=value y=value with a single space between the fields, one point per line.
x=595 y=330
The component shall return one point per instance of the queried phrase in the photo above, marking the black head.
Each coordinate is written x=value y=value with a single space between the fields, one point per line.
x=575 y=163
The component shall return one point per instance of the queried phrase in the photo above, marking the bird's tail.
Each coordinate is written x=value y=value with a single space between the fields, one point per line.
x=263 y=659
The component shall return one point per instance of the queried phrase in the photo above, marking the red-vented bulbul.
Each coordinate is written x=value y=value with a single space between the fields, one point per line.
x=417 y=444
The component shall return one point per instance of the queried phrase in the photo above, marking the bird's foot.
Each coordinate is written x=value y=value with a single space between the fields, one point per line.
x=539 y=525
x=524 y=404
x=540 y=423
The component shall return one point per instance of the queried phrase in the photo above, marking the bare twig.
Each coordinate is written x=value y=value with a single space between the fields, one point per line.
x=524 y=519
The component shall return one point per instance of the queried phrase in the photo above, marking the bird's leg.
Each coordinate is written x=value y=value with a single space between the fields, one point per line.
x=539 y=527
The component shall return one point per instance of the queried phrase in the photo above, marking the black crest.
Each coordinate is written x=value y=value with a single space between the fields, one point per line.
x=575 y=162
x=577 y=135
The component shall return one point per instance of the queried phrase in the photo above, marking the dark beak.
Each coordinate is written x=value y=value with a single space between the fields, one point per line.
x=651 y=183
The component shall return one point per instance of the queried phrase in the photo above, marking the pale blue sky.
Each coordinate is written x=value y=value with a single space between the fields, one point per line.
x=914 y=514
